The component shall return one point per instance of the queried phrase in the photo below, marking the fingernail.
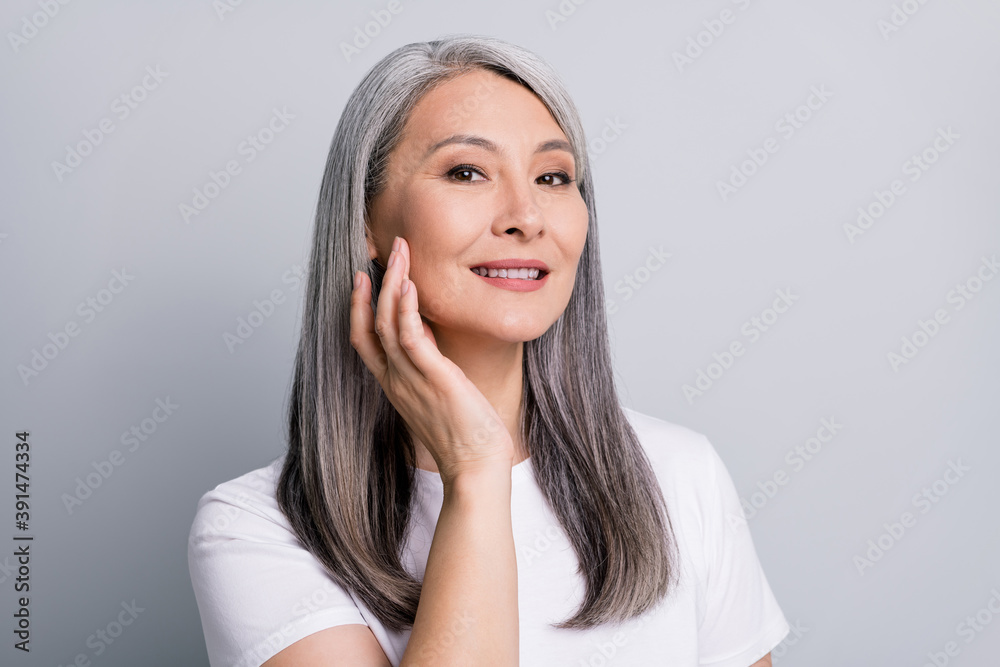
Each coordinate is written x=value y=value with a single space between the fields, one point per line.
x=357 y=279
x=395 y=243
x=392 y=258
x=406 y=286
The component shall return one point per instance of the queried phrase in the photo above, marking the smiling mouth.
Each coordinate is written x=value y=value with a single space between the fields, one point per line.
x=510 y=274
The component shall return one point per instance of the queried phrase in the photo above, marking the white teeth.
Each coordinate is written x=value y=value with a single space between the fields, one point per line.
x=521 y=274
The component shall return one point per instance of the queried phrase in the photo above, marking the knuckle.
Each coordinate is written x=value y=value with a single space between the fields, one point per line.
x=454 y=375
x=382 y=327
x=408 y=341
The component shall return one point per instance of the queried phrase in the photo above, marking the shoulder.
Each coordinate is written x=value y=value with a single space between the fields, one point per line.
x=258 y=589
x=738 y=615
x=244 y=505
x=673 y=450
x=692 y=476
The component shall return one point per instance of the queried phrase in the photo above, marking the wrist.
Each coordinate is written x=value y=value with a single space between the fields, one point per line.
x=479 y=479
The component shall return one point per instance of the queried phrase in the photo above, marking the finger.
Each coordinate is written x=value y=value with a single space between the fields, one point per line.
x=413 y=340
x=363 y=336
x=387 y=314
x=424 y=326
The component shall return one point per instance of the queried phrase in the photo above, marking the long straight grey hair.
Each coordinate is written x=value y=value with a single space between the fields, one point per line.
x=346 y=482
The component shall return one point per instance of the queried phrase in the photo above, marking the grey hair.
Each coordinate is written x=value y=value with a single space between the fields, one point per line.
x=345 y=485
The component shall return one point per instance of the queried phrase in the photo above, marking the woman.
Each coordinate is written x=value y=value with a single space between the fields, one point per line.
x=461 y=484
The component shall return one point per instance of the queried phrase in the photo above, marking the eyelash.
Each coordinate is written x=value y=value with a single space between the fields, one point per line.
x=469 y=167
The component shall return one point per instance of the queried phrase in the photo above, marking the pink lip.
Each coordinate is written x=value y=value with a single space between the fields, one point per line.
x=514 y=284
x=514 y=264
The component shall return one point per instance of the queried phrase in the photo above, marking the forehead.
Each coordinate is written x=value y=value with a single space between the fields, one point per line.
x=480 y=102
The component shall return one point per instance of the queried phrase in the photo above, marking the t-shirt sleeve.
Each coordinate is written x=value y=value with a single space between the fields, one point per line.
x=742 y=621
x=258 y=590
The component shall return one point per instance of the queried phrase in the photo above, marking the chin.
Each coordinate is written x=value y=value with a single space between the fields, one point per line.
x=519 y=330
x=514 y=330
x=520 y=336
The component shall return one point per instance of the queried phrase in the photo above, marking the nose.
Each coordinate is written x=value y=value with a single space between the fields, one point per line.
x=518 y=209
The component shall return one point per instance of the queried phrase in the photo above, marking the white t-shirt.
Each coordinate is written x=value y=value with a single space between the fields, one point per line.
x=259 y=591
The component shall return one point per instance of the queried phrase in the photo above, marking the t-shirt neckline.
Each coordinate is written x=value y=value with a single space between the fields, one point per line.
x=519 y=473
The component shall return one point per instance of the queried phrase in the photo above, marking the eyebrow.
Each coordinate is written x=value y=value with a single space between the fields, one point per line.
x=482 y=142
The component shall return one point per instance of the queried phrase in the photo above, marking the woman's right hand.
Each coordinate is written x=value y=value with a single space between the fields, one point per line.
x=440 y=405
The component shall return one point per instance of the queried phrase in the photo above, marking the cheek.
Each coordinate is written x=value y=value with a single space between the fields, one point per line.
x=439 y=292
x=438 y=225
x=574 y=243
x=581 y=219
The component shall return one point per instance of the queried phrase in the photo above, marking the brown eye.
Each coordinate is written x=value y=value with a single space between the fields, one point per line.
x=566 y=180
x=465 y=173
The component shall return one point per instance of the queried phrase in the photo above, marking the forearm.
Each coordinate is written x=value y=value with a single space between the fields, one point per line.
x=467 y=613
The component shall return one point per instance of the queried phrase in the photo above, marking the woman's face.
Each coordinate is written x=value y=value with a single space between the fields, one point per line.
x=481 y=175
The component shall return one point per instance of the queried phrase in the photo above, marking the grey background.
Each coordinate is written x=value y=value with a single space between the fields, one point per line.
x=681 y=131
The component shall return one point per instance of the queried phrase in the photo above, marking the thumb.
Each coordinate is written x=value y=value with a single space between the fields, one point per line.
x=427 y=331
